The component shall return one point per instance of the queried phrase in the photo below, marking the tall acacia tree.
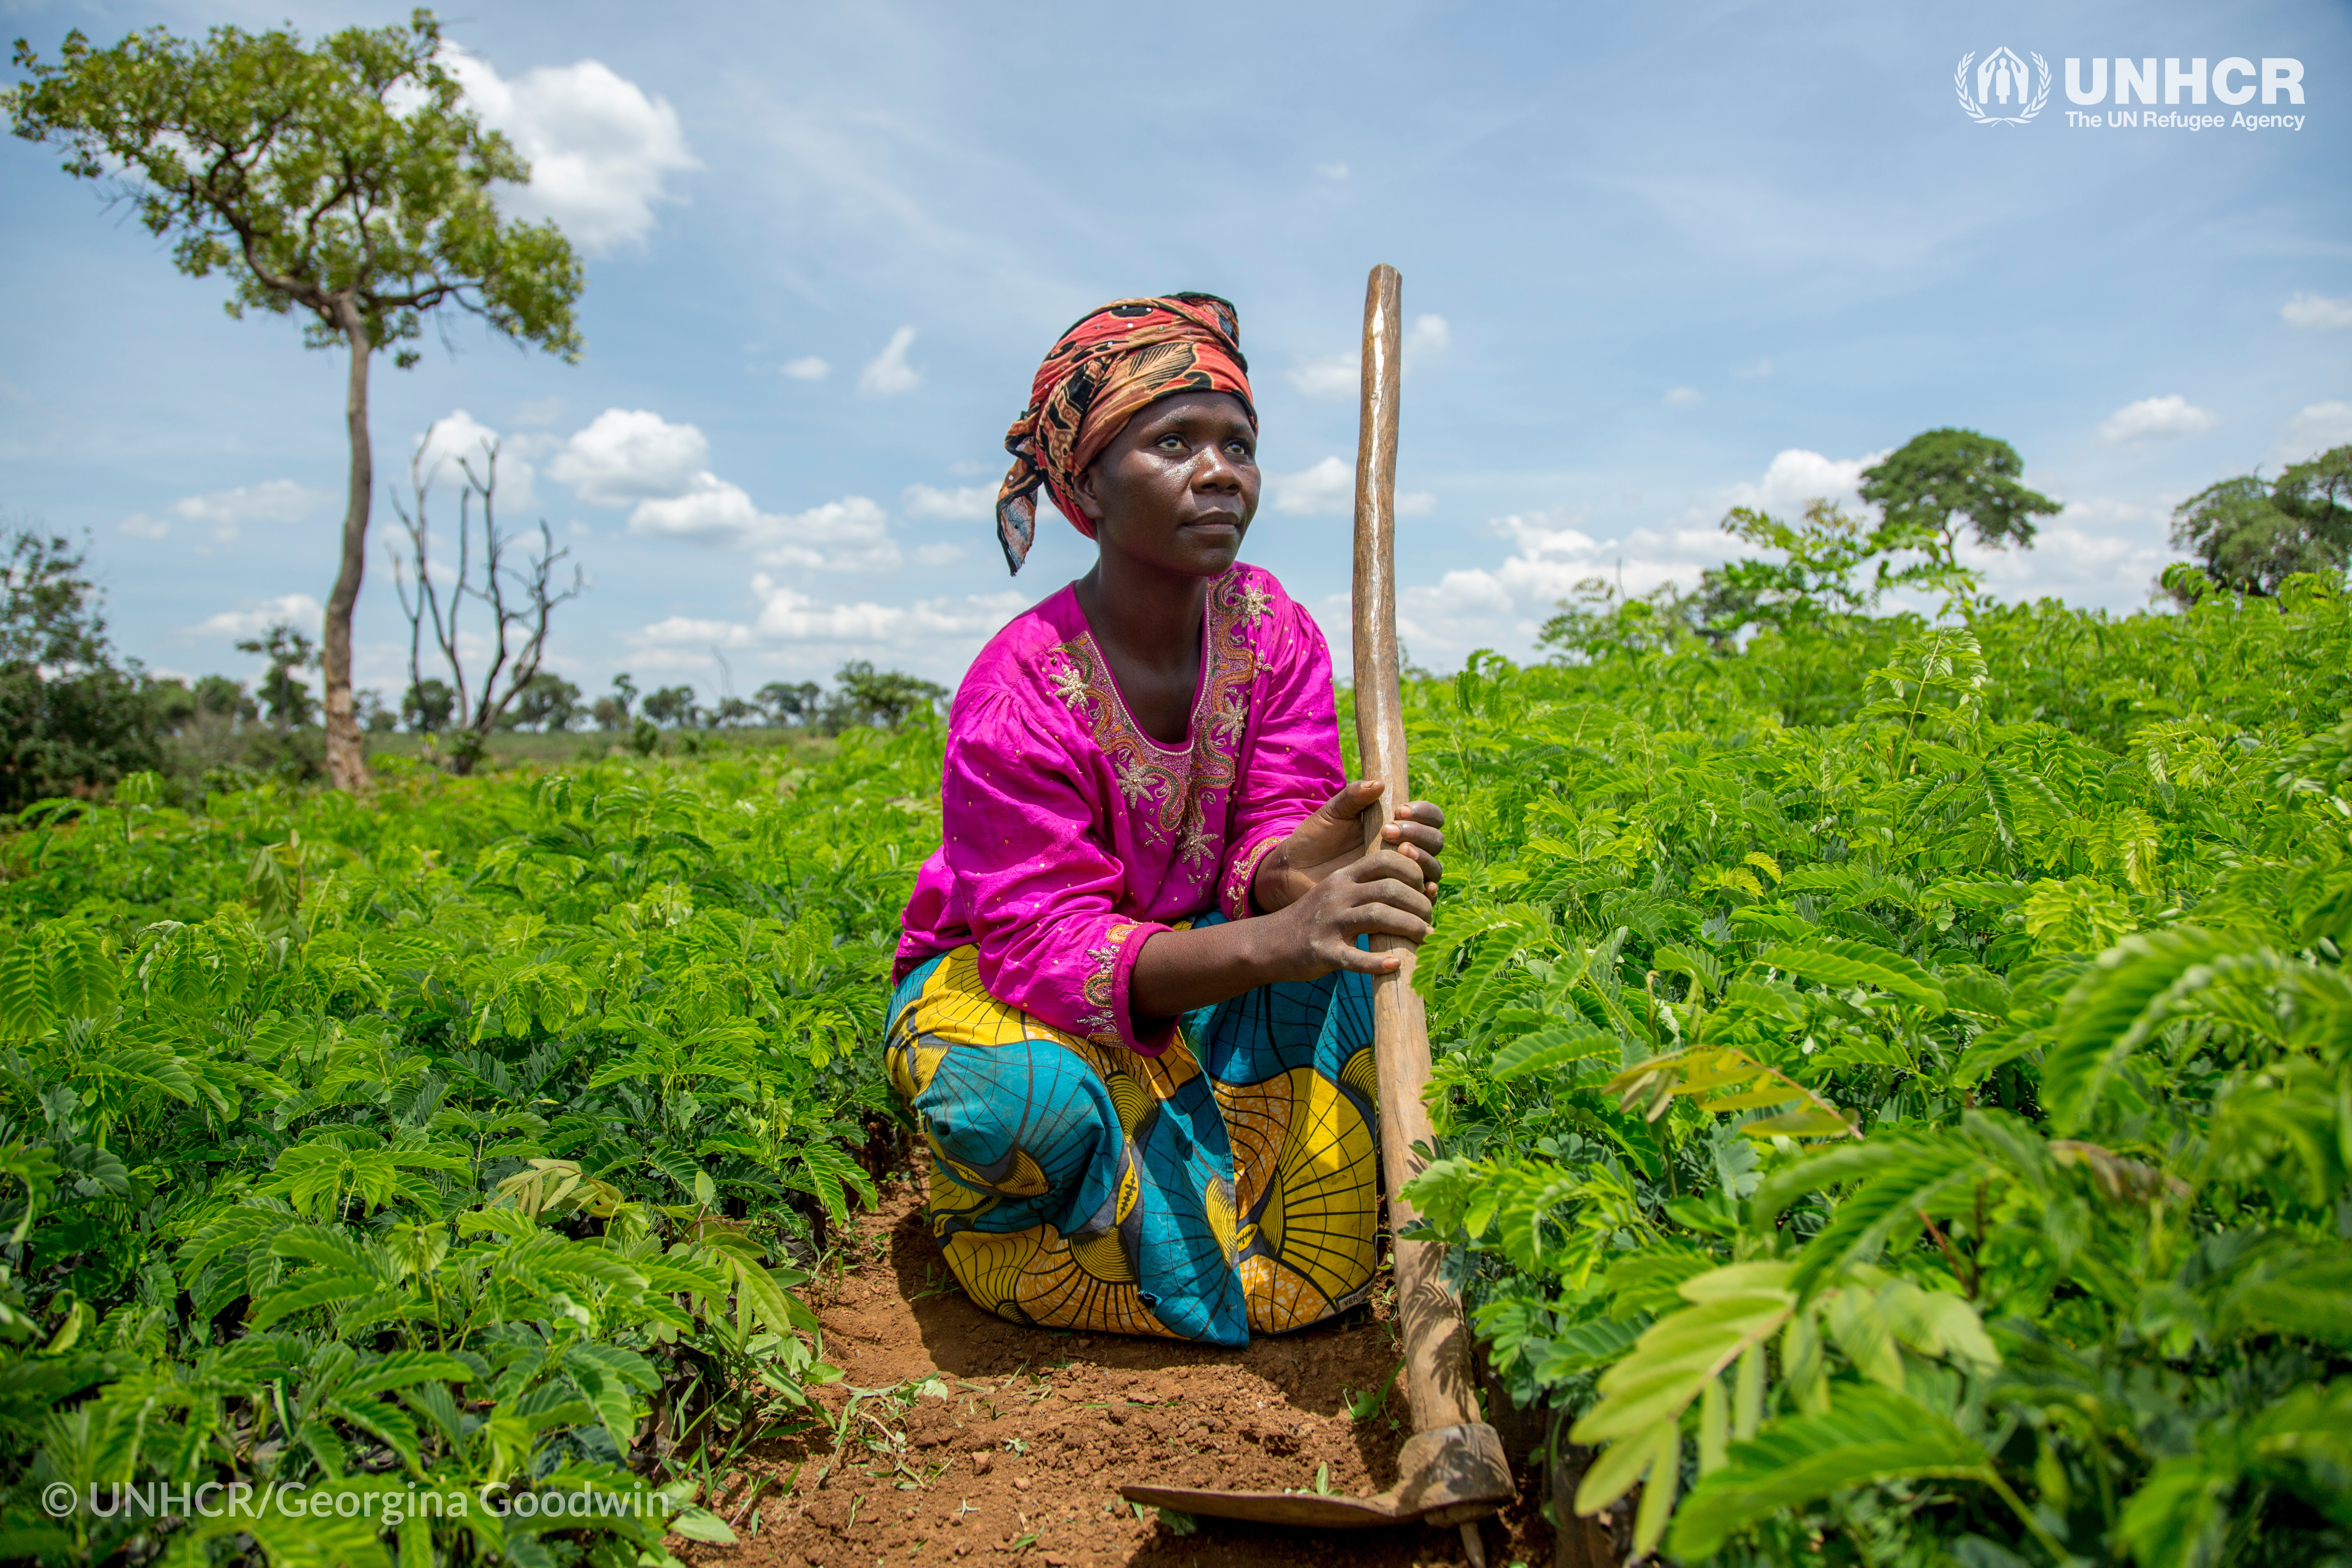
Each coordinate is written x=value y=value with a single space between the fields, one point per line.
x=1929 y=484
x=346 y=180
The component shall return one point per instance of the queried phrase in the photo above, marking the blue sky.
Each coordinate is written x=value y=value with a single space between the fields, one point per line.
x=1659 y=260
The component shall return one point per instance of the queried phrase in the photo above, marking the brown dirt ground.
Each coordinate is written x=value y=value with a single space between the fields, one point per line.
x=982 y=1441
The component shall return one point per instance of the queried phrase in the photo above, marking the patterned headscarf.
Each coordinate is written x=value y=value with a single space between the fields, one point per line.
x=1099 y=375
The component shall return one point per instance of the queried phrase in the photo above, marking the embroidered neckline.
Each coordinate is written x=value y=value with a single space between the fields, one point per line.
x=1168 y=787
x=1201 y=683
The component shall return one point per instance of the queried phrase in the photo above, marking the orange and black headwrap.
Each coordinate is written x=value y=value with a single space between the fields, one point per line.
x=1099 y=375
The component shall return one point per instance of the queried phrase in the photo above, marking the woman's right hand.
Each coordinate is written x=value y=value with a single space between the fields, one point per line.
x=1380 y=894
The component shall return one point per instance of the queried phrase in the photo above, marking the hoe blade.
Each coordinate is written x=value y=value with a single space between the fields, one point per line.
x=1447 y=1474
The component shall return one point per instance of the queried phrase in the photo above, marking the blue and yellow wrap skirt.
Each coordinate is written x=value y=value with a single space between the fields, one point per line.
x=1229 y=1184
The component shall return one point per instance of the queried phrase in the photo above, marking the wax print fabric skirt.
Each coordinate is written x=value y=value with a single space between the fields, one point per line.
x=1228 y=1184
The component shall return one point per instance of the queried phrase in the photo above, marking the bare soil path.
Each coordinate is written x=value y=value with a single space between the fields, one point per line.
x=973 y=1439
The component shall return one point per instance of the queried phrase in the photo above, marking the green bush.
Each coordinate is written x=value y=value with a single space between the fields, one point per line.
x=70 y=718
x=474 y=1136
x=1918 y=1134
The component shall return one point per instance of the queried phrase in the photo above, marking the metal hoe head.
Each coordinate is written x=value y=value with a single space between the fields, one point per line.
x=1447 y=1475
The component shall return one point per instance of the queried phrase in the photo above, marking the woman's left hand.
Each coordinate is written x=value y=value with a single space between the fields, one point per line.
x=1333 y=839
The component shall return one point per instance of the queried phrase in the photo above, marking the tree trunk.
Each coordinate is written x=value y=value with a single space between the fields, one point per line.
x=346 y=762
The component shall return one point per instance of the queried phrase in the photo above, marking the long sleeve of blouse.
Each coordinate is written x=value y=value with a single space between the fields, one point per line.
x=1041 y=889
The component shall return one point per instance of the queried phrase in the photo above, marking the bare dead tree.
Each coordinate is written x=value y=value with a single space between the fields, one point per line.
x=520 y=597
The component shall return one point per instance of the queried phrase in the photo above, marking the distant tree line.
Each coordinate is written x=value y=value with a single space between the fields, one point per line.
x=75 y=715
x=861 y=696
x=2245 y=536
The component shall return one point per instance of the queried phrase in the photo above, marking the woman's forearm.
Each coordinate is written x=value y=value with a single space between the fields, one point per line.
x=1384 y=894
x=1180 y=970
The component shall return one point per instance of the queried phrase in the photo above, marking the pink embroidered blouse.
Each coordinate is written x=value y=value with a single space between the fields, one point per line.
x=1072 y=835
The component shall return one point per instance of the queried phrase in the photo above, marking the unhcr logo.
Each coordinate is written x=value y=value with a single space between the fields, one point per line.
x=2001 y=92
x=2000 y=89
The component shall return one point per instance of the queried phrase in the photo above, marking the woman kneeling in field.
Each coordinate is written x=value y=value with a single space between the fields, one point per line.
x=1131 y=1014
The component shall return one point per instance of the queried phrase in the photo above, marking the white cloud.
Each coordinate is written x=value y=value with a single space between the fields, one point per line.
x=2317 y=312
x=1544 y=535
x=1684 y=397
x=1506 y=607
x=2157 y=418
x=1329 y=486
x=2314 y=430
x=1340 y=374
x=1332 y=171
x=1756 y=371
x=225 y=512
x=628 y=454
x=808 y=368
x=965 y=503
x=1327 y=376
x=889 y=374
x=1795 y=477
x=936 y=636
x=940 y=554
x=677 y=631
x=298 y=610
x=2102 y=551
x=458 y=441
x=851 y=534
x=280 y=500
x=634 y=458
x=450 y=440
x=709 y=510
x=601 y=150
x=789 y=615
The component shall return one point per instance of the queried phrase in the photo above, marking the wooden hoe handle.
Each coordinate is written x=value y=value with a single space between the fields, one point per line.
x=1453 y=1469
x=1437 y=1377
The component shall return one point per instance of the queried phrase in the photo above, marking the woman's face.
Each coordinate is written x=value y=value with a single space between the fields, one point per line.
x=1176 y=490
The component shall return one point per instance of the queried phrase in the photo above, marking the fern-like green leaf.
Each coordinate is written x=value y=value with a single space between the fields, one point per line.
x=1551 y=1047
x=27 y=1006
x=1869 y=1436
x=401 y=1370
x=314 y=1289
x=2114 y=1009
x=1837 y=961
x=1914 y=1181
x=1643 y=1396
